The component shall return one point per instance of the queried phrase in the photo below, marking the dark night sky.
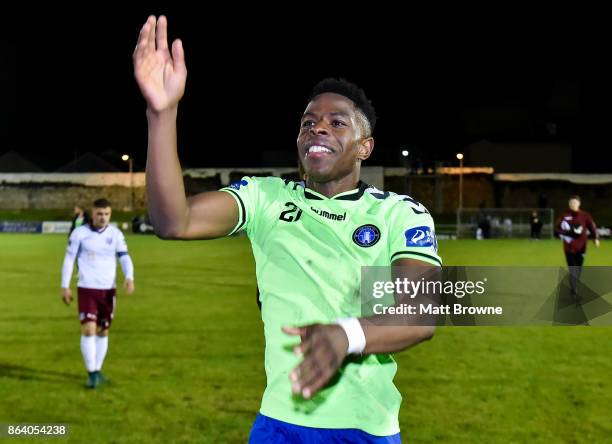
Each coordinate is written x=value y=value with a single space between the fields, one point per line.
x=68 y=86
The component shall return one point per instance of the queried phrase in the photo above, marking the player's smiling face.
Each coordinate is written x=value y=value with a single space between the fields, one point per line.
x=100 y=217
x=331 y=139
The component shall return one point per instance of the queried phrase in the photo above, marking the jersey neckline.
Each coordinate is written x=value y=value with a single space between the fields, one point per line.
x=354 y=194
x=97 y=231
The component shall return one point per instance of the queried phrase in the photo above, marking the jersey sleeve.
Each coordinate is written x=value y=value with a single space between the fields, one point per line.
x=412 y=233
x=120 y=244
x=72 y=251
x=592 y=227
x=247 y=193
x=560 y=229
x=121 y=249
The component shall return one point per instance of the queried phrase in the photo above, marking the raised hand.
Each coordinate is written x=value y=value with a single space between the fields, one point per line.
x=160 y=73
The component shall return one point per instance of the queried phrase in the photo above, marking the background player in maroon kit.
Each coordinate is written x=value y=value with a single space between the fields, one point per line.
x=575 y=227
x=96 y=247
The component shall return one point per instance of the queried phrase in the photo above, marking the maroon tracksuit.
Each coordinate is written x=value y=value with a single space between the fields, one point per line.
x=572 y=227
x=575 y=228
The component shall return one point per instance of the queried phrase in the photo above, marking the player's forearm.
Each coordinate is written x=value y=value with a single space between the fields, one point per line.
x=127 y=266
x=593 y=230
x=67 y=269
x=392 y=338
x=390 y=333
x=167 y=203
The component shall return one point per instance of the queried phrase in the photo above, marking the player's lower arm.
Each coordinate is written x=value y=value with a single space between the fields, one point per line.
x=390 y=333
x=67 y=268
x=392 y=339
x=127 y=266
x=167 y=203
x=367 y=335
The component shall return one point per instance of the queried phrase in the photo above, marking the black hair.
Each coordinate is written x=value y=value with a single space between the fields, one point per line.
x=101 y=203
x=352 y=92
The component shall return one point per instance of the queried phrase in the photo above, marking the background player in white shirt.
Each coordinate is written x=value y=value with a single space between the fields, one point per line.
x=96 y=246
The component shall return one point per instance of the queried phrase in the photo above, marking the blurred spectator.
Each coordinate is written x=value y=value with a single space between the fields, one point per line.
x=142 y=224
x=543 y=201
x=507 y=227
x=80 y=218
x=485 y=228
x=536 y=225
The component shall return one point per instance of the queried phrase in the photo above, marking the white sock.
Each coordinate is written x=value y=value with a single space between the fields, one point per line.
x=88 y=350
x=101 y=348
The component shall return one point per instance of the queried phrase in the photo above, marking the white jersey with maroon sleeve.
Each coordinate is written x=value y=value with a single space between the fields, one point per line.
x=96 y=252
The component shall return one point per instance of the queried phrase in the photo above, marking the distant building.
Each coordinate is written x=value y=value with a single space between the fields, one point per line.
x=12 y=162
x=89 y=163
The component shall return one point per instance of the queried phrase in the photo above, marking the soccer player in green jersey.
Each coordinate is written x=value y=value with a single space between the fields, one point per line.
x=329 y=370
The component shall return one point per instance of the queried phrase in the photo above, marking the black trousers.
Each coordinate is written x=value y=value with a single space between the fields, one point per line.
x=574 y=261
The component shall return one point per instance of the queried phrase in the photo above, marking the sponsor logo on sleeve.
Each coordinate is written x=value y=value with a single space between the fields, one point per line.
x=421 y=237
x=238 y=184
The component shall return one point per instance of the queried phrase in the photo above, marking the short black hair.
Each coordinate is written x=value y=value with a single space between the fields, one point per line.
x=575 y=196
x=352 y=92
x=101 y=203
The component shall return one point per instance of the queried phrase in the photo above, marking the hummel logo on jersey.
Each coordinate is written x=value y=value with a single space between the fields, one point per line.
x=329 y=215
x=240 y=183
x=420 y=237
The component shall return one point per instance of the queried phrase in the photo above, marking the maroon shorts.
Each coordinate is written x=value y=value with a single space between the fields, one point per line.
x=96 y=306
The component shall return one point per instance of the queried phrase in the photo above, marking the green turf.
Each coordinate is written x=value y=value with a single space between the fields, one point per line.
x=186 y=354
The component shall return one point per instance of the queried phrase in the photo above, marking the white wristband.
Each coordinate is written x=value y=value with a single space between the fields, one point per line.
x=354 y=333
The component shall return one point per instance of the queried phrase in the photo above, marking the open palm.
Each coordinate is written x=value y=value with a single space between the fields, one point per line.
x=160 y=73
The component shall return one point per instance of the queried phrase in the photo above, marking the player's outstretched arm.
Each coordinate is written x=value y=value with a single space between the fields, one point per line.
x=161 y=73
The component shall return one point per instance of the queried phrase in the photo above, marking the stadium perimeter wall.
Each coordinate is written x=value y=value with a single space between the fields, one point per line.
x=438 y=192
